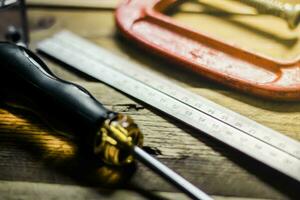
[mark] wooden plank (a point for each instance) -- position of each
(45, 22)
(107, 4)
(36, 191)
(28, 147)
(30, 151)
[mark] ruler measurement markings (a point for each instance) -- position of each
(95, 51)
(185, 98)
(198, 120)
(277, 142)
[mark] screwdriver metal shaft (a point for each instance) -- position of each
(123, 137)
(177, 180)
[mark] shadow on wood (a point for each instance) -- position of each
(24, 132)
(65, 159)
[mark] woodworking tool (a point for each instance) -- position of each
(26, 82)
(249, 71)
(287, 11)
(263, 144)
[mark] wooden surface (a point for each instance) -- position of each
(242, 27)
(102, 4)
(36, 163)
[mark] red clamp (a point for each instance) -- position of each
(143, 21)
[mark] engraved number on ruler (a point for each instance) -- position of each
(258, 141)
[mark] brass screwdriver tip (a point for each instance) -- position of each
(116, 138)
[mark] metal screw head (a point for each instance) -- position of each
(116, 138)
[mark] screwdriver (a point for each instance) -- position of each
(27, 82)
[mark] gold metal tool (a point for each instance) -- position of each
(287, 11)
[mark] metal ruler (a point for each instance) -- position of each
(264, 144)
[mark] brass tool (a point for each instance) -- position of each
(290, 13)
(287, 11)
(25, 81)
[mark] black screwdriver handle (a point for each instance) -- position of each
(25, 78)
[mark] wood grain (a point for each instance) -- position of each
(30, 151)
(204, 161)
(103, 4)
(24, 190)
